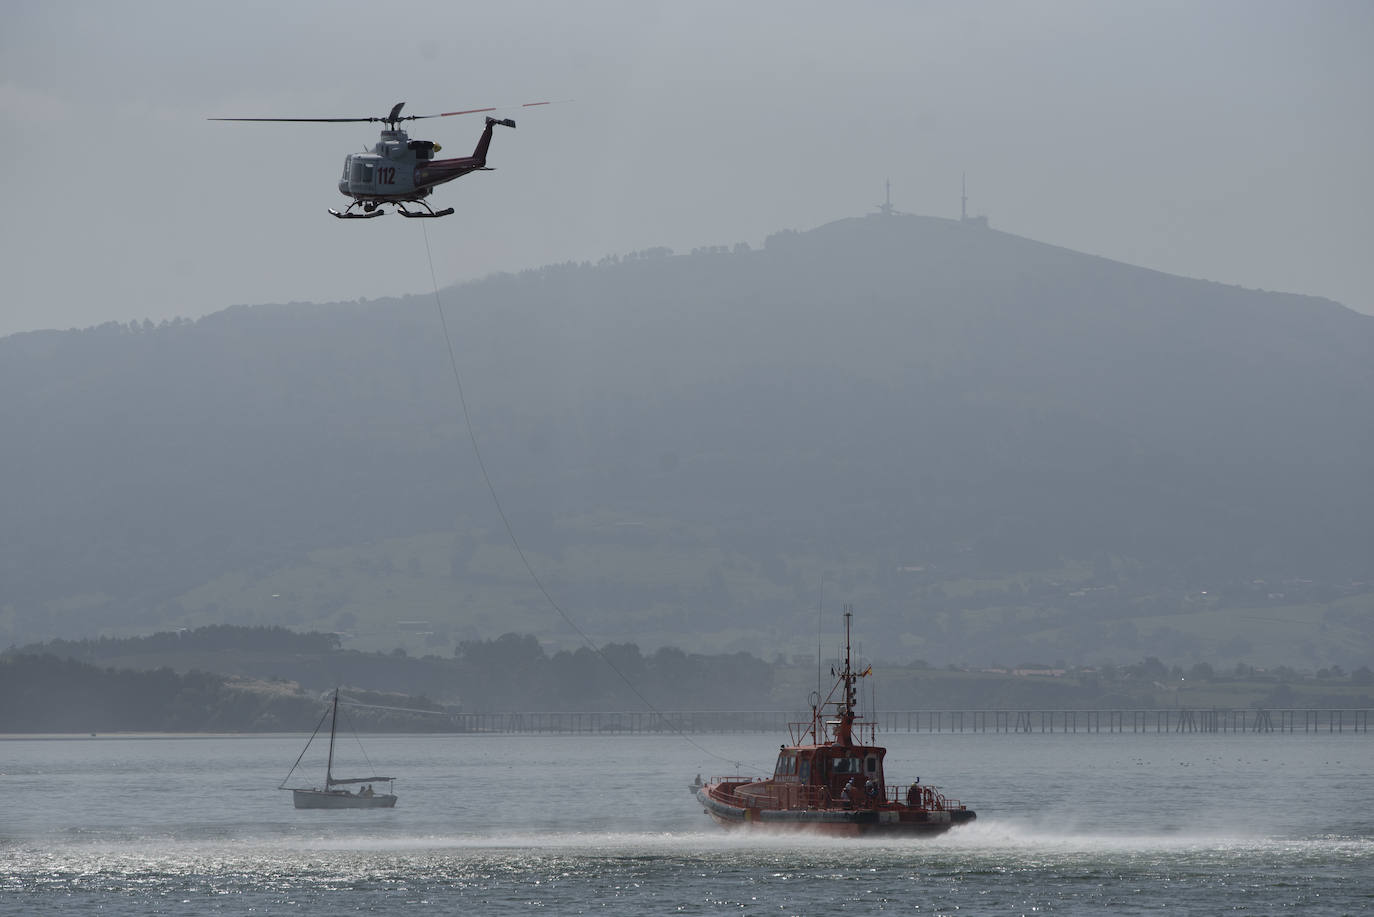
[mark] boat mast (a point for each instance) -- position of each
(844, 730)
(333, 722)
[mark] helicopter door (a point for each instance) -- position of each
(362, 177)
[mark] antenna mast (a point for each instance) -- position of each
(845, 728)
(885, 208)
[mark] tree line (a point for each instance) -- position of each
(278, 680)
(50, 694)
(273, 679)
(513, 672)
(213, 638)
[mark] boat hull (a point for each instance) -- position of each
(885, 820)
(338, 799)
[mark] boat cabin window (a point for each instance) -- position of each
(846, 765)
(871, 764)
(787, 765)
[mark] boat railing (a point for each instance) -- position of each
(820, 797)
(864, 732)
(926, 797)
(723, 788)
(809, 797)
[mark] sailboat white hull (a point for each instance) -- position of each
(340, 799)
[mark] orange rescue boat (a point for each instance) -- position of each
(830, 780)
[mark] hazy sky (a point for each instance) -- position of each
(1231, 141)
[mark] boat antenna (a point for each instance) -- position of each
(873, 706)
(820, 628)
(844, 731)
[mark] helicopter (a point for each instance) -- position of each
(398, 170)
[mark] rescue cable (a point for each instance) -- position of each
(510, 530)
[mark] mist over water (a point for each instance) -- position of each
(506, 824)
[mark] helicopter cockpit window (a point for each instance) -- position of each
(362, 173)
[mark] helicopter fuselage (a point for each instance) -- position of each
(400, 169)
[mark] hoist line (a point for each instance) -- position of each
(510, 530)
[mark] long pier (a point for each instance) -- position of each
(1174, 720)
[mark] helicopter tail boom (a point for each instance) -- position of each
(438, 171)
(480, 153)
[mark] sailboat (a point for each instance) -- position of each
(336, 793)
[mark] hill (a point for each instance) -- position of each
(996, 448)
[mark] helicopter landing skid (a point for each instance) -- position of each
(346, 215)
(433, 213)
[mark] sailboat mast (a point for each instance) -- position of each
(333, 723)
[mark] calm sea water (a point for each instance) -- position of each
(1068, 824)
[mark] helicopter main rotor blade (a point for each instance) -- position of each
(395, 116)
(315, 120)
(475, 111)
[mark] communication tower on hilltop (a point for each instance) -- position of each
(885, 208)
(980, 220)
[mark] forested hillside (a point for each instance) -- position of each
(233, 679)
(997, 449)
(259, 678)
